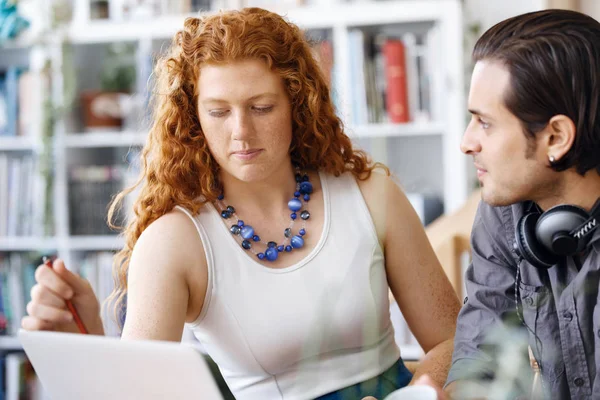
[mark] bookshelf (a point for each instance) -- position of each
(105, 139)
(95, 243)
(9, 343)
(26, 243)
(423, 152)
(441, 17)
(16, 144)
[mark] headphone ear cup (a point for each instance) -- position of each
(561, 220)
(527, 245)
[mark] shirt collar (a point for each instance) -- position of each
(531, 206)
(595, 240)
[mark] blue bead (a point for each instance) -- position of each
(293, 215)
(235, 229)
(297, 242)
(271, 244)
(302, 232)
(294, 204)
(260, 256)
(256, 238)
(221, 196)
(306, 188)
(225, 214)
(280, 248)
(305, 178)
(288, 248)
(298, 178)
(271, 254)
(240, 223)
(246, 245)
(306, 197)
(297, 194)
(247, 232)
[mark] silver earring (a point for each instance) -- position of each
(552, 159)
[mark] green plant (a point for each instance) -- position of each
(51, 113)
(46, 158)
(118, 69)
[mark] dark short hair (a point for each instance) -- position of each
(553, 57)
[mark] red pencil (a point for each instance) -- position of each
(78, 321)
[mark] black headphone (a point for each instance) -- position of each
(544, 239)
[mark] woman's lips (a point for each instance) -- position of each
(247, 155)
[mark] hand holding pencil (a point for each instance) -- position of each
(62, 301)
(80, 325)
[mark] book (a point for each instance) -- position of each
(26, 104)
(4, 195)
(358, 96)
(12, 99)
(3, 107)
(395, 72)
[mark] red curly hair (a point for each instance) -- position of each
(177, 166)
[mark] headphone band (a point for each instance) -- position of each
(590, 225)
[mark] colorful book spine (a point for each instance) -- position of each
(395, 71)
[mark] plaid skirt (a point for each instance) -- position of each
(395, 377)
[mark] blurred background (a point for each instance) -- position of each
(75, 77)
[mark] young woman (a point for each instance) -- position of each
(262, 228)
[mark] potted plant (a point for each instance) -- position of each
(103, 108)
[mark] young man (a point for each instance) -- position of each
(535, 141)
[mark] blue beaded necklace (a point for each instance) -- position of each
(247, 235)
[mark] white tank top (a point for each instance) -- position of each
(306, 330)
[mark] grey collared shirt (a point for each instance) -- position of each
(561, 306)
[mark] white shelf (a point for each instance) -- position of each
(26, 243)
(8, 343)
(95, 243)
(126, 139)
(106, 31)
(24, 41)
(370, 14)
(105, 139)
(392, 130)
(307, 17)
(17, 143)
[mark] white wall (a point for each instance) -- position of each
(489, 12)
(590, 7)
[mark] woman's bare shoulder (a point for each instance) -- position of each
(172, 240)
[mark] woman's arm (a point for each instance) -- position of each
(415, 276)
(166, 281)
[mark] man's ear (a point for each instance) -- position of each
(559, 137)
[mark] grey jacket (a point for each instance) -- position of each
(560, 306)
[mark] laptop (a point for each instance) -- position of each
(75, 367)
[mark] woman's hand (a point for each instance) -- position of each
(48, 310)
